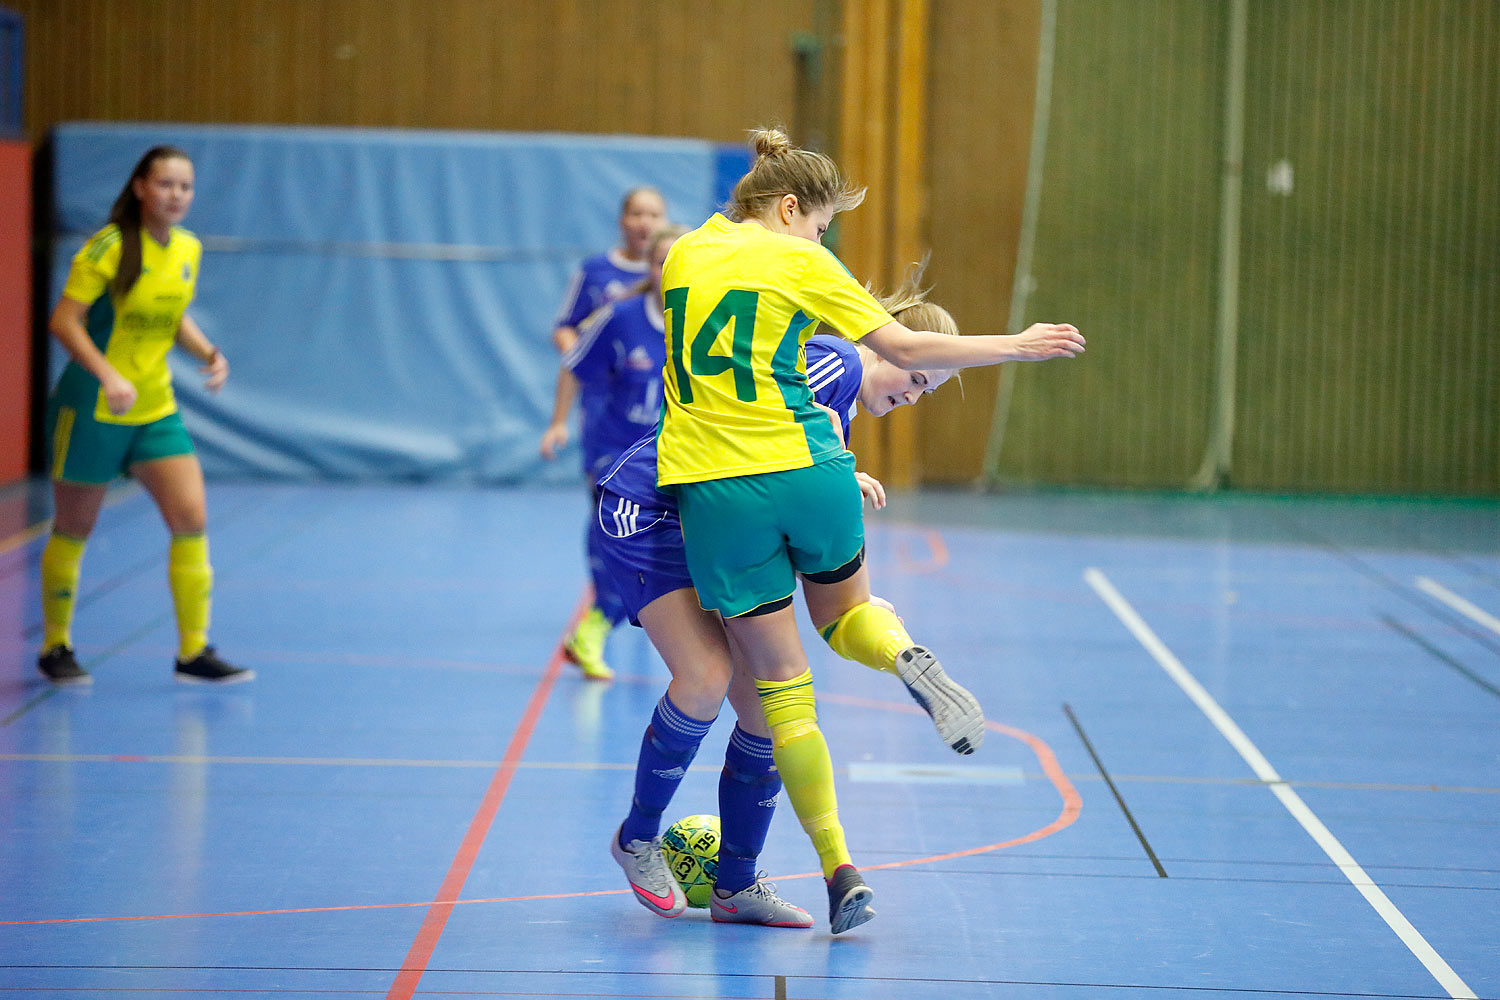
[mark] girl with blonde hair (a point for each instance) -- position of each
(766, 491)
(639, 538)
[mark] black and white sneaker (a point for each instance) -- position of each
(207, 668)
(955, 712)
(60, 666)
(848, 899)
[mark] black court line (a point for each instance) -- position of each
(106, 586)
(730, 976)
(1114, 791)
(250, 554)
(1439, 655)
(90, 665)
(1431, 607)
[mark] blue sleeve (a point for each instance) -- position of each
(834, 372)
(583, 293)
(569, 314)
(592, 358)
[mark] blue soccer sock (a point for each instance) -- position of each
(670, 743)
(748, 787)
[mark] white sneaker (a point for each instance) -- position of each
(955, 712)
(757, 904)
(649, 876)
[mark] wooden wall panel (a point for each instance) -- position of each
(708, 70)
(982, 82)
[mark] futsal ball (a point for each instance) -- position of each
(691, 847)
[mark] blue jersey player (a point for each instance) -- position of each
(616, 361)
(599, 280)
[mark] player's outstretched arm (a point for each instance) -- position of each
(920, 349)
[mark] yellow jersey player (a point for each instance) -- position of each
(113, 412)
(766, 491)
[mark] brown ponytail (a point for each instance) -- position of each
(126, 214)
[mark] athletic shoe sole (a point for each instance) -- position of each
(852, 907)
(235, 678)
(81, 680)
(747, 908)
(954, 711)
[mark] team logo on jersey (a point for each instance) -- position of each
(187, 271)
(615, 290)
(640, 360)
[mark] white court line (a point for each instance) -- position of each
(1409, 935)
(1463, 607)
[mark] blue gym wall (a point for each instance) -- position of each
(385, 297)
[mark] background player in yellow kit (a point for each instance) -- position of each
(765, 489)
(113, 411)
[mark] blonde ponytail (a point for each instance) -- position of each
(780, 169)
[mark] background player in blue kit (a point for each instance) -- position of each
(599, 280)
(616, 362)
(639, 537)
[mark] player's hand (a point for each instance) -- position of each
(1044, 341)
(881, 602)
(554, 439)
(871, 490)
(119, 393)
(216, 370)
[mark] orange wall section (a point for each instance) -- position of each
(15, 309)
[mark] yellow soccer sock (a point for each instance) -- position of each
(801, 756)
(192, 581)
(62, 558)
(868, 634)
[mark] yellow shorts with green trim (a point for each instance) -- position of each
(747, 537)
(84, 450)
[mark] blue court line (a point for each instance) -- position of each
(1409, 935)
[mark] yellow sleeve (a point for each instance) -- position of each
(94, 266)
(837, 300)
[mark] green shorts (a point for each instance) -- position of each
(84, 450)
(747, 537)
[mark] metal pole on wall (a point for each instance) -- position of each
(1023, 282)
(1217, 460)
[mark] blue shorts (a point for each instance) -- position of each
(641, 551)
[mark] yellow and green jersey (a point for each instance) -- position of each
(740, 302)
(135, 331)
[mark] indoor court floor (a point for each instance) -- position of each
(1238, 746)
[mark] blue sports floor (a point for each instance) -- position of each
(1238, 746)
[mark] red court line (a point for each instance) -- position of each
(1072, 806)
(907, 566)
(436, 920)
